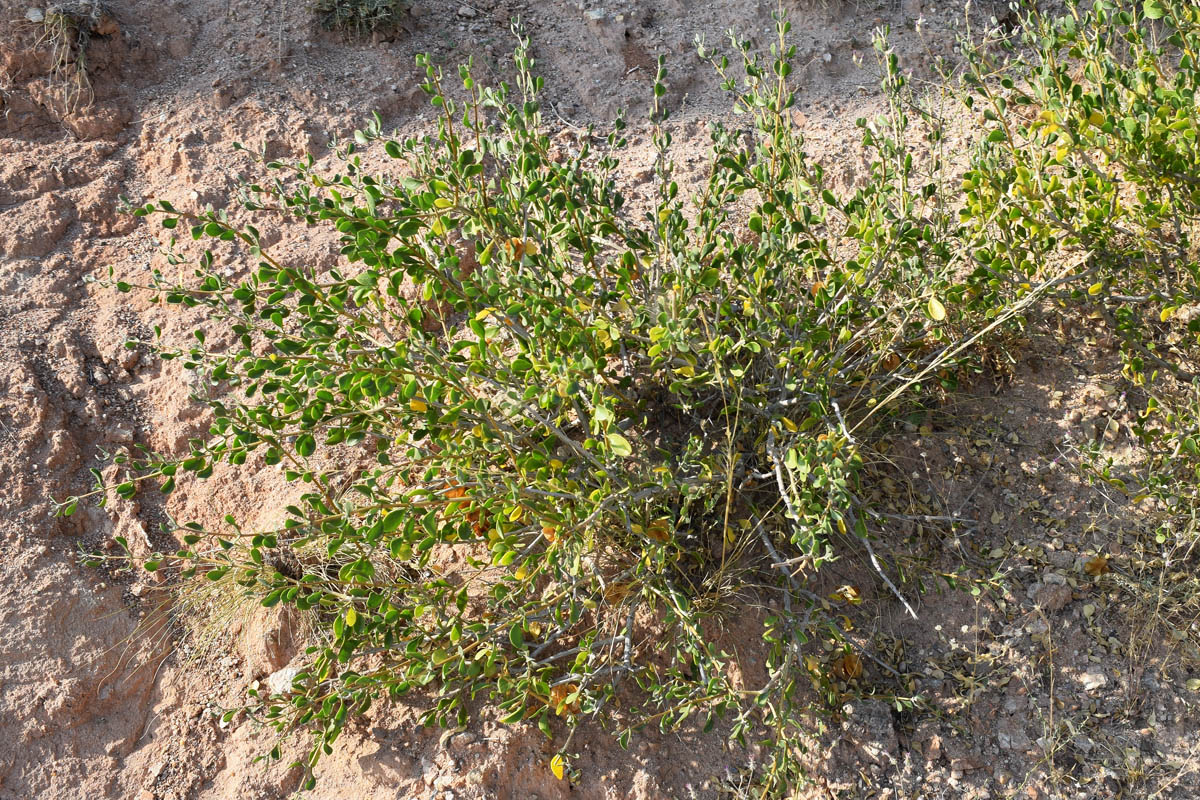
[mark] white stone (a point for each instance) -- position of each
(281, 681)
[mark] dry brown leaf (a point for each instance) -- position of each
(615, 593)
(519, 248)
(1097, 566)
(659, 530)
(558, 699)
(848, 667)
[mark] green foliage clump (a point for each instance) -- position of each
(1086, 173)
(360, 16)
(545, 441)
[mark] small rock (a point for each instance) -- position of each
(1061, 559)
(461, 741)
(466, 11)
(1052, 597)
(1093, 680)
(281, 681)
(270, 638)
(34, 15)
(933, 748)
(1038, 627)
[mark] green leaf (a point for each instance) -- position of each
(1154, 9)
(393, 519)
(619, 445)
(306, 445)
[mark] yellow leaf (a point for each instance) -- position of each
(351, 617)
(1166, 313)
(442, 202)
(849, 594)
(519, 248)
(1096, 288)
(936, 310)
(418, 405)
(516, 514)
(791, 426)
(556, 766)
(1096, 118)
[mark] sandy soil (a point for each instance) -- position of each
(1036, 690)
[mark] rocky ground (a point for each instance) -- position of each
(1053, 682)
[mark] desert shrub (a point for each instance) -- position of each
(1087, 169)
(546, 442)
(360, 16)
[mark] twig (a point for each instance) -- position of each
(879, 569)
